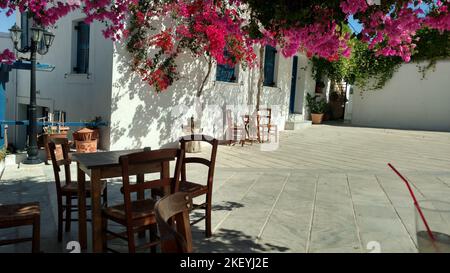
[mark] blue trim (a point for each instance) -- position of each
(26, 65)
(40, 123)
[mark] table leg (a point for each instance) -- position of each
(96, 191)
(140, 178)
(82, 232)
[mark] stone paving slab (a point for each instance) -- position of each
(325, 189)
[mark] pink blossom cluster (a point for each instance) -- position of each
(353, 6)
(217, 27)
(44, 12)
(114, 14)
(392, 33)
(208, 27)
(7, 57)
(393, 36)
(317, 39)
(440, 18)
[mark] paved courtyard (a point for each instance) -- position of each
(324, 189)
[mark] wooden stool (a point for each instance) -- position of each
(22, 215)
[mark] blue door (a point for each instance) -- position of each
(293, 85)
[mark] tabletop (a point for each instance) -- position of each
(101, 159)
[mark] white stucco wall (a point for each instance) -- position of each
(81, 97)
(138, 116)
(141, 118)
(407, 101)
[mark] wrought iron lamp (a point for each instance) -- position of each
(37, 36)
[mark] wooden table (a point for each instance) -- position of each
(99, 166)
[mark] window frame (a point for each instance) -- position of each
(77, 48)
(270, 81)
(224, 68)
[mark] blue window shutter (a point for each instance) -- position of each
(225, 73)
(24, 25)
(83, 30)
(269, 66)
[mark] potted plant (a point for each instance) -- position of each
(85, 141)
(317, 107)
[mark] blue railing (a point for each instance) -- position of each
(46, 123)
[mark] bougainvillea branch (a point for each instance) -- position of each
(7, 57)
(156, 32)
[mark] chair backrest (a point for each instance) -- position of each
(211, 163)
(264, 116)
(57, 163)
(158, 157)
(229, 118)
(172, 217)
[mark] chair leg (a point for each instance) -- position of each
(36, 235)
(153, 230)
(208, 232)
(68, 212)
(131, 243)
(104, 234)
(60, 220)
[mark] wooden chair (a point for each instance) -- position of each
(172, 216)
(69, 190)
(196, 189)
(265, 125)
(22, 215)
(249, 130)
(235, 132)
(139, 215)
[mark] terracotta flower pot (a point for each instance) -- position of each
(316, 118)
(88, 146)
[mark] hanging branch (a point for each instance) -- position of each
(261, 77)
(202, 86)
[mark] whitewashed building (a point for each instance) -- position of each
(94, 79)
(100, 83)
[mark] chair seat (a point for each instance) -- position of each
(18, 212)
(140, 209)
(72, 188)
(268, 125)
(193, 188)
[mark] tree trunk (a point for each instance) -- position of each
(202, 85)
(261, 78)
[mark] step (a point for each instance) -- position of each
(297, 125)
(296, 117)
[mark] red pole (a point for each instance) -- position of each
(415, 201)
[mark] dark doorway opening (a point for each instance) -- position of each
(293, 85)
